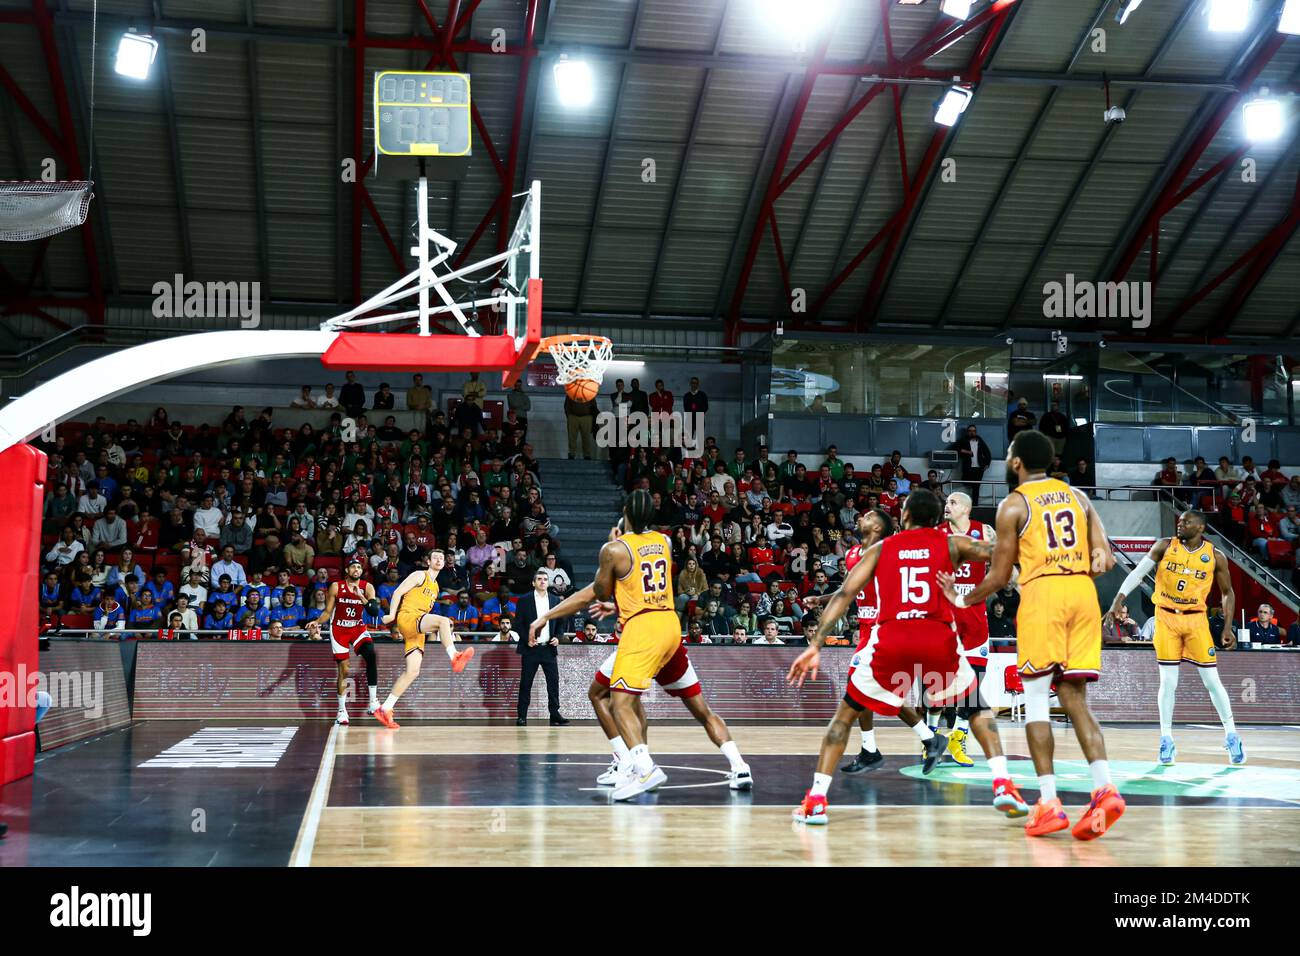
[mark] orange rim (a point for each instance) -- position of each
(571, 338)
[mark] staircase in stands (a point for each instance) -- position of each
(584, 503)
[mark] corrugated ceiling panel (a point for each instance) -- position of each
(226, 247)
(1025, 47)
(618, 275)
(216, 163)
(1129, 48)
(1072, 128)
(293, 186)
(658, 102)
(291, 13)
(680, 24)
(212, 84)
(1104, 207)
(628, 200)
(302, 257)
(594, 22)
(225, 11)
(1278, 295)
(956, 210)
(738, 108)
(569, 171)
(998, 120)
(921, 281)
(990, 284)
(1081, 261)
(715, 187)
(297, 85)
(147, 244)
(690, 274)
(563, 247)
(1034, 201)
(1156, 120)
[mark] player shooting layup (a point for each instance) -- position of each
(1187, 567)
(1058, 539)
(411, 606)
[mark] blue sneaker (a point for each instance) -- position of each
(1236, 749)
(1167, 751)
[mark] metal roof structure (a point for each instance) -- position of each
(727, 173)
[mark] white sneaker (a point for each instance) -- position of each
(371, 708)
(741, 779)
(611, 776)
(342, 718)
(636, 783)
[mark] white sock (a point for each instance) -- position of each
(962, 724)
(932, 718)
(390, 703)
(343, 703)
(374, 694)
(732, 753)
(869, 741)
(1219, 696)
(1100, 770)
(642, 760)
(450, 649)
(998, 767)
(924, 732)
(620, 749)
(1047, 786)
(1165, 698)
(821, 783)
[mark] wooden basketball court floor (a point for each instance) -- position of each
(181, 792)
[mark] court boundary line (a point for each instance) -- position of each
(982, 807)
(305, 845)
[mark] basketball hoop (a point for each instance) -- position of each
(582, 359)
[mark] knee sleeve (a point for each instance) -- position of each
(1038, 694)
(367, 652)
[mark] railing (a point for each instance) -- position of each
(299, 635)
(1126, 492)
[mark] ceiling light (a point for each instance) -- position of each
(1126, 10)
(1229, 16)
(1263, 119)
(959, 9)
(135, 54)
(800, 20)
(574, 82)
(952, 105)
(1290, 22)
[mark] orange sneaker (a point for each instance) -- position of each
(1106, 807)
(461, 659)
(1008, 799)
(385, 718)
(1047, 816)
(812, 810)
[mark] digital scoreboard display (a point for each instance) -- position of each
(422, 114)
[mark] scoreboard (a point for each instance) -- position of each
(422, 114)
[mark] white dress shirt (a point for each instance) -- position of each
(543, 599)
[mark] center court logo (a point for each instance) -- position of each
(76, 909)
(654, 430)
(208, 300)
(1098, 300)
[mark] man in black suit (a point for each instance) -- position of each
(539, 651)
(974, 455)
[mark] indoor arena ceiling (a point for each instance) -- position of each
(718, 175)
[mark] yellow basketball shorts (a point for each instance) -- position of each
(1058, 627)
(649, 641)
(408, 625)
(1184, 637)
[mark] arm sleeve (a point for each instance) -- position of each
(1135, 576)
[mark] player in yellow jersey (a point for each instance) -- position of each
(1187, 568)
(411, 608)
(636, 573)
(1058, 539)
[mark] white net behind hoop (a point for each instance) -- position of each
(583, 357)
(34, 210)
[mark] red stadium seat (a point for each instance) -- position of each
(330, 562)
(1015, 686)
(1280, 553)
(78, 622)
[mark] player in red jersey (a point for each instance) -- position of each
(914, 639)
(677, 679)
(345, 606)
(872, 526)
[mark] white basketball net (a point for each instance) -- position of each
(582, 358)
(34, 210)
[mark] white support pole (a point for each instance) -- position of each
(422, 253)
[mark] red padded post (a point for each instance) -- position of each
(22, 476)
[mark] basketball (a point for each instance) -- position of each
(582, 389)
